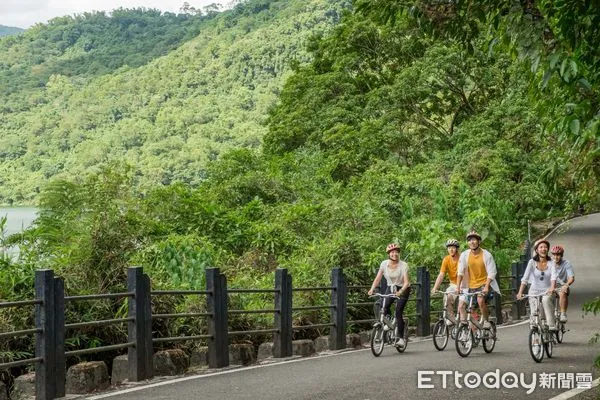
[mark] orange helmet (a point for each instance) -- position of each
(392, 246)
(558, 250)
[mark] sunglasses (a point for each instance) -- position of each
(542, 277)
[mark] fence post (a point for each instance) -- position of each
(527, 249)
(45, 341)
(59, 331)
(149, 346)
(520, 271)
(218, 350)
(423, 306)
(498, 302)
(137, 357)
(516, 310)
(282, 339)
(337, 333)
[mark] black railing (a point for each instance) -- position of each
(50, 325)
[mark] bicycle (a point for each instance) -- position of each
(440, 329)
(540, 336)
(466, 340)
(384, 330)
(560, 326)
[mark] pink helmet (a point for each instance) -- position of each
(392, 246)
(558, 250)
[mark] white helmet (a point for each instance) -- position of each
(452, 242)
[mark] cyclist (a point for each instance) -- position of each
(450, 267)
(395, 272)
(562, 273)
(537, 274)
(477, 267)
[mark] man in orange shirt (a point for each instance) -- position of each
(450, 267)
(478, 268)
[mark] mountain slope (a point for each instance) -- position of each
(9, 30)
(169, 117)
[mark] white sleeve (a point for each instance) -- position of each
(490, 265)
(553, 272)
(528, 271)
(462, 263)
(569, 268)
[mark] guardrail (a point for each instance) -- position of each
(50, 324)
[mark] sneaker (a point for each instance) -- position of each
(400, 342)
(563, 317)
(487, 325)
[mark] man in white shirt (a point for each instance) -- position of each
(562, 273)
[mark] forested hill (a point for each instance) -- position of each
(163, 92)
(9, 30)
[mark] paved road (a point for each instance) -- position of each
(359, 375)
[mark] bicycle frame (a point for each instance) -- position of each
(539, 332)
(560, 326)
(391, 324)
(471, 331)
(381, 336)
(470, 319)
(444, 315)
(441, 329)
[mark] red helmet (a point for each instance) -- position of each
(392, 246)
(538, 242)
(474, 234)
(557, 250)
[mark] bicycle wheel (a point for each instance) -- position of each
(377, 340)
(464, 340)
(548, 346)
(453, 332)
(440, 335)
(489, 338)
(402, 349)
(535, 345)
(560, 332)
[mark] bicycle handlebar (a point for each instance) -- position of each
(384, 295)
(474, 293)
(525, 296)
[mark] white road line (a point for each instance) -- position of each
(231, 371)
(574, 392)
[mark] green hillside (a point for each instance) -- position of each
(9, 30)
(84, 91)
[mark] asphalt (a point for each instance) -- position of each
(360, 375)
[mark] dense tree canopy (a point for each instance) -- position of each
(167, 93)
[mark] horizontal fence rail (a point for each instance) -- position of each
(19, 303)
(50, 326)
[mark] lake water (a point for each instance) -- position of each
(17, 218)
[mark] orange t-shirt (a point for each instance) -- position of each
(477, 271)
(450, 266)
